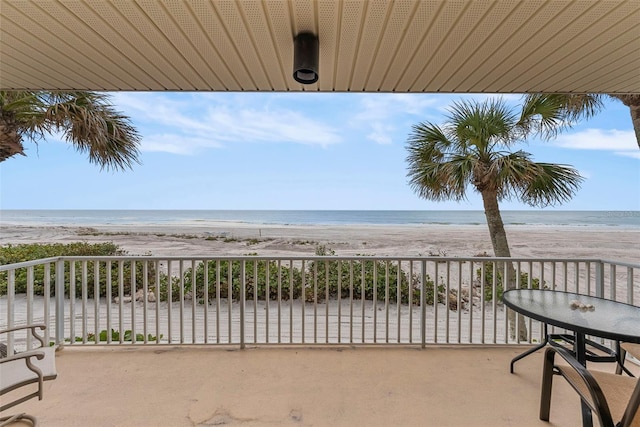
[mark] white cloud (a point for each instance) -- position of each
(384, 116)
(265, 125)
(217, 120)
(381, 134)
(175, 144)
(633, 154)
(621, 142)
(386, 106)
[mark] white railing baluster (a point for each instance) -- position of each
(375, 301)
(612, 281)
(121, 330)
(255, 302)
(157, 297)
(303, 299)
(11, 293)
(205, 284)
(109, 297)
(494, 300)
(423, 303)
(169, 301)
(267, 297)
(84, 302)
(411, 301)
(194, 300)
(435, 305)
(362, 300)
(30, 301)
(96, 300)
(145, 296)
(243, 278)
(629, 285)
(399, 301)
(351, 283)
(181, 305)
(72, 302)
(483, 311)
(279, 276)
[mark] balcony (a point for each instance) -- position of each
(308, 341)
(373, 386)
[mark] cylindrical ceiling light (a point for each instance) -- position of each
(305, 58)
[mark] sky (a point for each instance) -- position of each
(298, 151)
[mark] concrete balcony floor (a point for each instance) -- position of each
(299, 386)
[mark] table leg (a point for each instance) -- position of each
(531, 350)
(580, 349)
(526, 353)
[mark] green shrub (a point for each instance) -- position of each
(115, 336)
(11, 254)
(324, 278)
(255, 280)
(487, 281)
(320, 278)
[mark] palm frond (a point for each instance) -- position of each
(442, 181)
(435, 169)
(538, 184)
(86, 119)
(548, 114)
(481, 127)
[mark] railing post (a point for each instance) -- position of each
(600, 279)
(59, 301)
(242, 296)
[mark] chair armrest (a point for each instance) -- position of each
(16, 374)
(582, 382)
(24, 355)
(33, 328)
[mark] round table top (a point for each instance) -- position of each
(606, 319)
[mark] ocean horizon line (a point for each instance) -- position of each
(200, 217)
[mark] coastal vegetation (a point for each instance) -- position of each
(75, 271)
(317, 280)
(115, 335)
(85, 119)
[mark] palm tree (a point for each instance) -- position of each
(573, 107)
(474, 149)
(86, 119)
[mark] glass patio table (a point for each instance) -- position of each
(582, 314)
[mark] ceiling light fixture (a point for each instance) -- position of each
(305, 58)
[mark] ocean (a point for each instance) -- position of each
(624, 219)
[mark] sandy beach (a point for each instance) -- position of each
(228, 238)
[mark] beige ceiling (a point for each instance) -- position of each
(498, 46)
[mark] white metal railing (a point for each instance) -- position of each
(254, 300)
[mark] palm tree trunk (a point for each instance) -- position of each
(501, 249)
(10, 143)
(633, 102)
(496, 226)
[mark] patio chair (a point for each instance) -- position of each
(624, 349)
(614, 399)
(18, 370)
